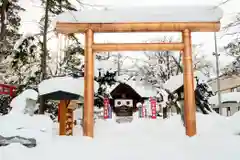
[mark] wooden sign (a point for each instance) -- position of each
(123, 107)
(73, 105)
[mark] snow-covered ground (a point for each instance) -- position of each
(140, 140)
(218, 137)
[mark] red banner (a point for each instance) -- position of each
(153, 108)
(105, 110)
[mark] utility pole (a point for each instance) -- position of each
(216, 54)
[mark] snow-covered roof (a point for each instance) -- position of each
(142, 89)
(144, 14)
(225, 97)
(176, 82)
(65, 84)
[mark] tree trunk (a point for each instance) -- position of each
(168, 65)
(178, 63)
(44, 56)
(165, 110)
(118, 65)
(4, 9)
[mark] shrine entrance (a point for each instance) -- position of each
(183, 19)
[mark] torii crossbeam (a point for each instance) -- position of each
(184, 19)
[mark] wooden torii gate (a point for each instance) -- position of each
(184, 19)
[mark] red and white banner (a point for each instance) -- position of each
(153, 107)
(105, 110)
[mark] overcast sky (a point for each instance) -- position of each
(34, 12)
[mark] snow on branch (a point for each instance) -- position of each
(20, 41)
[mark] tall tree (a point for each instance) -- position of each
(53, 7)
(4, 9)
(44, 53)
(10, 23)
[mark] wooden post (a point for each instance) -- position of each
(62, 110)
(69, 122)
(189, 95)
(101, 47)
(88, 120)
(59, 111)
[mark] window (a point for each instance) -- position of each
(235, 89)
(228, 111)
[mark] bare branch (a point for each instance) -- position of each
(89, 5)
(223, 2)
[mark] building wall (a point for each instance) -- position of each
(227, 84)
(228, 109)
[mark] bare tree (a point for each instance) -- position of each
(200, 62)
(159, 66)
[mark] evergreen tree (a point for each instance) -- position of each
(26, 64)
(10, 24)
(105, 80)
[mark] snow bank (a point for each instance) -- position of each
(65, 84)
(37, 126)
(144, 14)
(233, 123)
(142, 139)
(19, 103)
(19, 123)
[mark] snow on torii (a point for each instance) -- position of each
(204, 15)
(185, 19)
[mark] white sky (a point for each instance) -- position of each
(34, 12)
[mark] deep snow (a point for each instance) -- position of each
(142, 139)
(217, 139)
